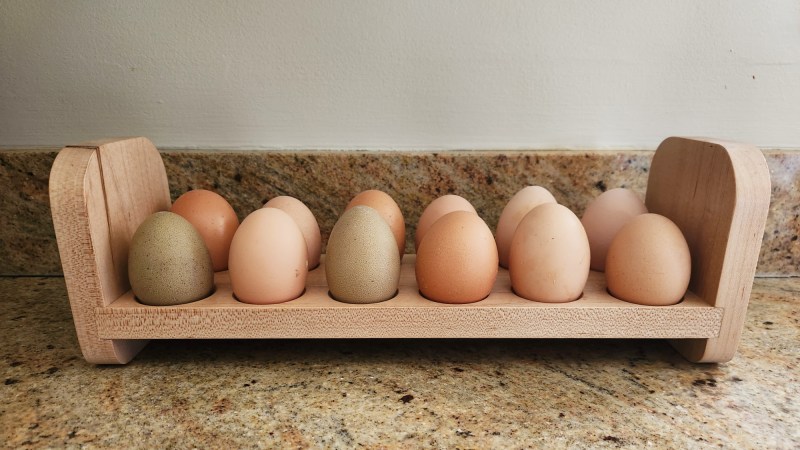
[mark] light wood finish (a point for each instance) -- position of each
(408, 315)
(79, 216)
(718, 194)
(135, 186)
(711, 190)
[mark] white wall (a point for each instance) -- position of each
(400, 74)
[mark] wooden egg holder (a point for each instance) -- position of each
(716, 192)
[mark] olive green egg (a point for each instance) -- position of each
(362, 264)
(168, 262)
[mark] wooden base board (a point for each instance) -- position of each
(409, 315)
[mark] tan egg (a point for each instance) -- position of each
(549, 260)
(268, 261)
(304, 219)
(649, 262)
(438, 208)
(605, 216)
(388, 209)
(362, 264)
(168, 263)
(457, 259)
(214, 219)
(516, 208)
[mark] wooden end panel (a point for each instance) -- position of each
(134, 184)
(79, 218)
(718, 194)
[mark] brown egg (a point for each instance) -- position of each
(605, 216)
(457, 259)
(388, 209)
(435, 210)
(214, 219)
(362, 264)
(516, 208)
(305, 220)
(168, 263)
(649, 262)
(549, 260)
(269, 258)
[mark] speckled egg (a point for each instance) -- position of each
(168, 263)
(362, 264)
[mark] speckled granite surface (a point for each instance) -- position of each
(326, 181)
(385, 394)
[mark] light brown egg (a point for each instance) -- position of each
(605, 216)
(549, 260)
(649, 262)
(362, 264)
(305, 220)
(214, 219)
(168, 263)
(268, 260)
(457, 259)
(436, 209)
(516, 208)
(388, 209)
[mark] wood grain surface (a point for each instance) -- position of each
(716, 192)
(409, 315)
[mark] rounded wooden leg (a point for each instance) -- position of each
(704, 350)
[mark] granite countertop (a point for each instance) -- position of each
(411, 393)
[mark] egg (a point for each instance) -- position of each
(362, 264)
(649, 262)
(168, 263)
(307, 223)
(435, 210)
(388, 209)
(516, 208)
(549, 257)
(214, 219)
(605, 216)
(268, 259)
(457, 259)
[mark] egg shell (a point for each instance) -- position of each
(605, 216)
(214, 219)
(549, 260)
(268, 261)
(649, 262)
(304, 219)
(516, 208)
(168, 263)
(436, 209)
(385, 205)
(362, 264)
(457, 259)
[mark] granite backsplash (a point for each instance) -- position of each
(326, 180)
